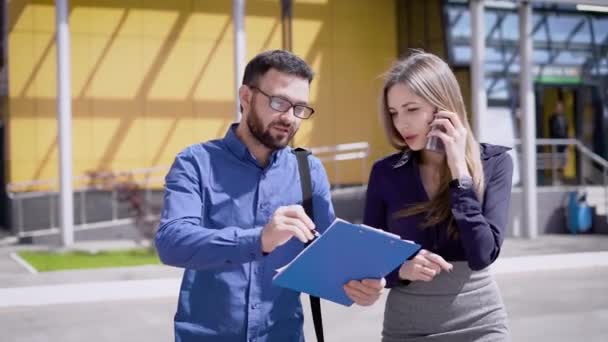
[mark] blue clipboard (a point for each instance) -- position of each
(344, 252)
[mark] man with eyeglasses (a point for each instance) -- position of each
(231, 215)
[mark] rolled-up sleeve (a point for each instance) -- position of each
(181, 240)
(482, 229)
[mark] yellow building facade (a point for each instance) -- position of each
(152, 77)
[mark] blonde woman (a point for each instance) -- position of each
(453, 200)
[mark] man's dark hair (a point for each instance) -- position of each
(280, 60)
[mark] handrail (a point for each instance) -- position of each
(15, 186)
(585, 153)
(342, 152)
(333, 154)
(569, 142)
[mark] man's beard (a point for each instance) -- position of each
(264, 135)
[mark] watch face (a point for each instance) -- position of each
(465, 182)
(462, 183)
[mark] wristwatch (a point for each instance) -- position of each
(462, 183)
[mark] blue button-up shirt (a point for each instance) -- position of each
(217, 200)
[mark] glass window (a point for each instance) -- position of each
(510, 27)
(462, 54)
(497, 88)
(494, 67)
(494, 55)
(568, 30)
(540, 35)
(462, 27)
(603, 68)
(571, 58)
(583, 35)
(600, 28)
(540, 56)
(490, 22)
(514, 67)
(560, 27)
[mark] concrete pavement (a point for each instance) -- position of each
(555, 289)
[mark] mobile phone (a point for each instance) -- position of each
(435, 143)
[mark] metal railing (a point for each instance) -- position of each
(592, 169)
(344, 152)
(46, 191)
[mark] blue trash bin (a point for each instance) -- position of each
(579, 213)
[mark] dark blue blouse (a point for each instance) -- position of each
(395, 182)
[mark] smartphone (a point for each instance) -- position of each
(435, 143)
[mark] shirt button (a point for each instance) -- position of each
(254, 306)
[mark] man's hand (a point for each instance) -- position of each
(365, 292)
(285, 223)
(424, 266)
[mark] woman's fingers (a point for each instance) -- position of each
(435, 260)
(446, 124)
(427, 271)
(453, 117)
(438, 260)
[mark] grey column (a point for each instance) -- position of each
(526, 100)
(478, 46)
(64, 116)
(238, 20)
(286, 17)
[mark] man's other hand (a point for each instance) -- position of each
(287, 222)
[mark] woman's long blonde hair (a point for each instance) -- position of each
(432, 79)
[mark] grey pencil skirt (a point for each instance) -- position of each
(462, 305)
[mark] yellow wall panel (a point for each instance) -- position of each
(214, 65)
(119, 74)
(21, 56)
(368, 23)
(24, 142)
(174, 135)
(126, 145)
(309, 37)
(44, 17)
(175, 77)
(152, 77)
(25, 172)
(44, 73)
(168, 128)
(260, 29)
(103, 135)
(81, 64)
(105, 21)
(82, 136)
(209, 26)
(20, 16)
(210, 128)
(46, 141)
(160, 23)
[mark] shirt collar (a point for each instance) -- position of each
(405, 157)
(237, 147)
(488, 150)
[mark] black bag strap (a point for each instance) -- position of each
(305, 181)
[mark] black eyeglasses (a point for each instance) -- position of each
(282, 105)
